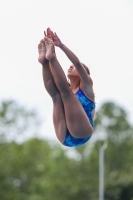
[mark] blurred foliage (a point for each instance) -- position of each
(34, 170)
(113, 120)
(16, 120)
(39, 170)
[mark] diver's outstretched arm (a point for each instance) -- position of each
(57, 42)
(72, 57)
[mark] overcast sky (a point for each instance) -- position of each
(99, 32)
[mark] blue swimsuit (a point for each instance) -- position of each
(88, 106)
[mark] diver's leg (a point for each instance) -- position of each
(58, 109)
(76, 118)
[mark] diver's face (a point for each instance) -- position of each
(72, 71)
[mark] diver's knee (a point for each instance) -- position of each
(67, 94)
(56, 98)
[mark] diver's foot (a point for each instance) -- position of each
(42, 52)
(50, 50)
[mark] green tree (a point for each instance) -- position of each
(113, 121)
(16, 121)
(36, 169)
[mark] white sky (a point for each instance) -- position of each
(99, 32)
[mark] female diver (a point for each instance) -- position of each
(73, 103)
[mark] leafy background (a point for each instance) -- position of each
(38, 169)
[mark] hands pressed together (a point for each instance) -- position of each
(50, 40)
(50, 35)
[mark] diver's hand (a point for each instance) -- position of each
(53, 36)
(56, 40)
